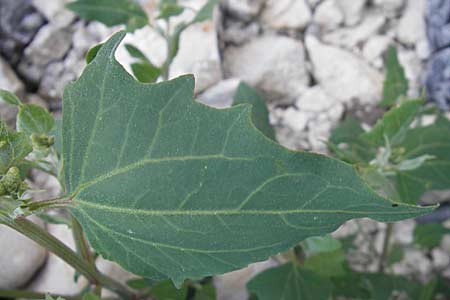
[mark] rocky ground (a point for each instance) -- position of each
(314, 60)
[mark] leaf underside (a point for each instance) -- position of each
(170, 188)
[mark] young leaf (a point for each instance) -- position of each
(90, 55)
(34, 119)
(136, 53)
(394, 124)
(145, 72)
(111, 12)
(290, 282)
(395, 84)
(434, 141)
(165, 290)
(205, 13)
(169, 187)
(14, 147)
(9, 98)
(429, 235)
(169, 10)
(320, 244)
(260, 113)
(327, 264)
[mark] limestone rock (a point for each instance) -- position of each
(411, 27)
(286, 14)
(374, 49)
(352, 10)
(315, 99)
(9, 82)
(342, 74)
(390, 7)
(20, 258)
(328, 15)
(244, 9)
(220, 95)
(274, 64)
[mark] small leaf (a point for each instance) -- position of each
(165, 290)
(206, 292)
(260, 113)
(111, 12)
(34, 119)
(395, 84)
(382, 286)
(289, 282)
(90, 55)
(326, 264)
(396, 254)
(14, 147)
(136, 53)
(428, 290)
(429, 235)
(169, 10)
(140, 283)
(9, 98)
(171, 188)
(205, 13)
(394, 124)
(434, 141)
(320, 244)
(145, 72)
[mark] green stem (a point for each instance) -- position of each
(46, 240)
(47, 204)
(32, 295)
(384, 253)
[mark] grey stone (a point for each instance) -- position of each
(438, 78)
(244, 9)
(20, 258)
(328, 15)
(274, 64)
(438, 23)
(19, 22)
(411, 27)
(390, 7)
(352, 10)
(220, 95)
(9, 82)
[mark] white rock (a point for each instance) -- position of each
(274, 64)
(411, 28)
(413, 69)
(50, 8)
(415, 262)
(295, 119)
(221, 95)
(286, 14)
(441, 258)
(402, 232)
(344, 75)
(57, 276)
(244, 9)
(352, 10)
(315, 99)
(20, 258)
(318, 134)
(352, 37)
(9, 82)
(232, 286)
(390, 7)
(313, 3)
(374, 49)
(198, 54)
(328, 15)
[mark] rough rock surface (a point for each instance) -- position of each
(286, 14)
(20, 258)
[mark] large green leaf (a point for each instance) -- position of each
(433, 174)
(14, 147)
(290, 282)
(168, 187)
(111, 12)
(395, 84)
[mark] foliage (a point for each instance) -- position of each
(174, 190)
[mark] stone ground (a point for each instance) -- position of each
(314, 60)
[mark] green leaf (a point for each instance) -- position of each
(165, 290)
(145, 72)
(429, 235)
(432, 140)
(395, 84)
(260, 113)
(111, 12)
(289, 282)
(428, 290)
(90, 55)
(396, 254)
(139, 283)
(34, 119)
(346, 144)
(9, 98)
(14, 147)
(169, 10)
(205, 13)
(327, 264)
(320, 244)
(206, 292)
(394, 124)
(90, 296)
(384, 287)
(169, 187)
(136, 53)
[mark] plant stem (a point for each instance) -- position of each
(33, 295)
(46, 240)
(47, 204)
(384, 253)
